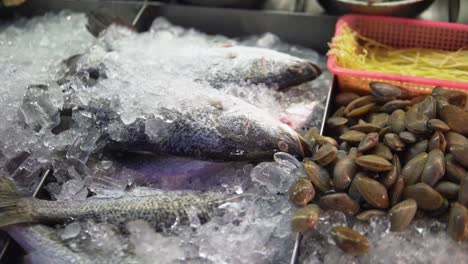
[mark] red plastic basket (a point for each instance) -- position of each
(400, 33)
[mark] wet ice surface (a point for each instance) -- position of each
(254, 230)
(424, 241)
(30, 54)
(33, 50)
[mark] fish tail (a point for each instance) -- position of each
(14, 209)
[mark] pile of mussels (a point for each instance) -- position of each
(388, 155)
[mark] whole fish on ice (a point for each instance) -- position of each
(137, 107)
(217, 63)
(160, 209)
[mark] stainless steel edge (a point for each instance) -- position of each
(312, 31)
(296, 249)
(328, 106)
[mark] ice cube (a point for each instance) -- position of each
(150, 245)
(106, 186)
(276, 178)
(71, 231)
(83, 145)
(72, 190)
(287, 160)
(37, 109)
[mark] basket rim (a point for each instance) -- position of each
(343, 72)
(421, 22)
(383, 4)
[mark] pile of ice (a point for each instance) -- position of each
(31, 51)
(35, 53)
(253, 229)
(424, 241)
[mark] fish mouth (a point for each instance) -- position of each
(298, 145)
(299, 73)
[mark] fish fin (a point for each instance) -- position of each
(14, 209)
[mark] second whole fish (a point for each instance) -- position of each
(160, 209)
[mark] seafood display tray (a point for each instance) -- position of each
(294, 28)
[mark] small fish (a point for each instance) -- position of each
(161, 210)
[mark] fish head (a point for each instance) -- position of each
(265, 142)
(291, 142)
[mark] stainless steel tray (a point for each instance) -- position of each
(312, 31)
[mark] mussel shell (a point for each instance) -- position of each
(379, 119)
(434, 169)
(363, 110)
(397, 121)
(366, 216)
(365, 127)
(385, 91)
(416, 149)
(368, 142)
(453, 170)
(454, 97)
(458, 222)
(318, 175)
(397, 191)
(305, 218)
(454, 138)
(353, 136)
(393, 105)
(390, 177)
(447, 189)
(408, 137)
(343, 173)
(438, 141)
(394, 142)
(413, 169)
(349, 241)
(416, 121)
(325, 155)
(333, 122)
(301, 192)
(437, 124)
(373, 192)
(382, 150)
(402, 214)
(426, 197)
(359, 102)
(345, 98)
(428, 107)
(339, 112)
(460, 153)
(463, 191)
(456, 118)
(374, 163)
(339, 202)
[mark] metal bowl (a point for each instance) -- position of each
(403, 8)
(226, 3)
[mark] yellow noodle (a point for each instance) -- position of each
(355, 51)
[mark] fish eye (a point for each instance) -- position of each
(283, 146)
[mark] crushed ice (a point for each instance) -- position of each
(253, 230)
